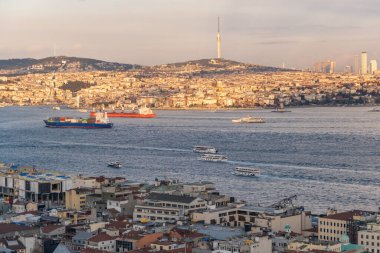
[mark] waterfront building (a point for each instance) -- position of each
(370, 237)
(364, 63)
(333, 227)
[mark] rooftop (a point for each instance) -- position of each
(170, 198)
(9, 228)
(349, 215)
(101, 237)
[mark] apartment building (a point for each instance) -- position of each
(161, 207)
(370, 237)
(76, 198)
(334, 226)
(254, 216)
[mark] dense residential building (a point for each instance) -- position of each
(227, 84)
(334, 226)
(169, 216)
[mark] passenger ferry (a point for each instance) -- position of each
(248, 119)
(205, 149)
(246, 171)
(57, 108)
(213, 158)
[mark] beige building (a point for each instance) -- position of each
(370, 238)
(254, 216)
(333, 227)
(76, 198)
(167, 207)
(308, 246)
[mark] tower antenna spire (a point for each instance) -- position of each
(218, 25)
(218, 38)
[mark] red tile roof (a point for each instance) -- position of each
(101, 237)
(346, 215)
(9, 228)
(50, 228)
(118, 224)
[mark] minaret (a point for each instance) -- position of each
(219, 41)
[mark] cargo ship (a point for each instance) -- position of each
(140, 113)
(100, 120)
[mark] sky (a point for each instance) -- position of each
(297, 33)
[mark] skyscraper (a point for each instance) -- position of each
(356, 65)
(348, 69)
(372, 66)
(219, 41)
(364, 67)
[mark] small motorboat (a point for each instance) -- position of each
(116, 164)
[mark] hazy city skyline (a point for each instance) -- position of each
(297, 33)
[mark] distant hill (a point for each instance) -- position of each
(59, 64)
(211, 67)
(203, 67)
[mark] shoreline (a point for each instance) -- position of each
(212, 109)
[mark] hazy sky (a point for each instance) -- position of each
(267, 32)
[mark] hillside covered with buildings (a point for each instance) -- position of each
(207, 83)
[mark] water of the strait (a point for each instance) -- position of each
(329, 157)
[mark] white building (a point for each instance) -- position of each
(372, 66)
(102, 241)
(364, 63)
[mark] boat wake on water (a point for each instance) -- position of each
(115, 145)
(301, 167)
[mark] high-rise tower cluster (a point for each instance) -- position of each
(364, 67)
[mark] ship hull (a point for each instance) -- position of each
(53, 124)
(126, 115)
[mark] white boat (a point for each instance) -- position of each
(246, 171)
(57, 108)
(248, 119)
(205, 149)
(82, 110)
(213, 158)
(116, 164)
